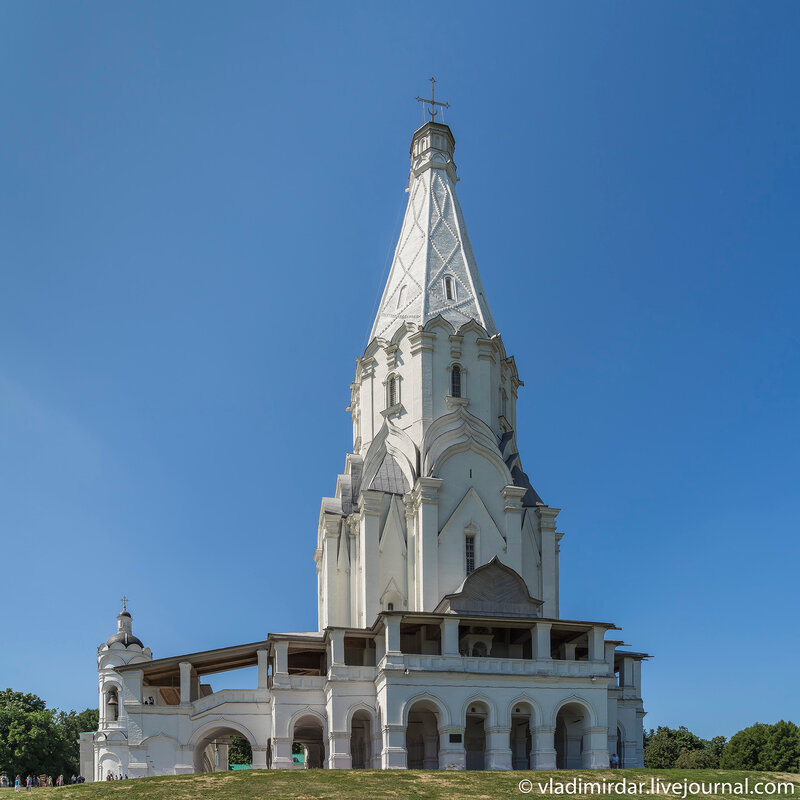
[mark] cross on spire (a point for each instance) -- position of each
(124, 603)
(432, 103)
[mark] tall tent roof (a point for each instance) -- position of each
(433, 271)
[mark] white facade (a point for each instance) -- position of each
(440, 643)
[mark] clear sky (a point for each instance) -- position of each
(197, 206)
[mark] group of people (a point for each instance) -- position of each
(112, 777)
(36, 781)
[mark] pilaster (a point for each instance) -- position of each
(369, 534)
(426, 502)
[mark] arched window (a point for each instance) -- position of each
(401, 296)
(469, 553)
(392, 395)
(449, 288)
(390, 606)
(112, 705)
(455, 381)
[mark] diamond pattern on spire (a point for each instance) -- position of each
(433, 245)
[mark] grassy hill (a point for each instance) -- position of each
(419, 785)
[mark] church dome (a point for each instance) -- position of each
(125, 638)
(124, 634)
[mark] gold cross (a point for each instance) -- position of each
(124, 603)
(432, 103)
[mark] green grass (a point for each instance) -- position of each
(400, 784)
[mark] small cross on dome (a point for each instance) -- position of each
(124, 603)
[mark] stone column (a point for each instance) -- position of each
(595, 756)
(186, 682)
(222, 750)
(280, 677)
(452, 755)
(263, 669)
(498, 748)
(540, 634)
(543, 747)
(430, 758)
(337, 647)
(281, 753)
(392, 634)
(596, 644)
(449, 628)
(394, 755)
(339, 756)
(380, 648)
(627, 672)
(260, 757)
(610, 650)
(569, 651)
(637, 677)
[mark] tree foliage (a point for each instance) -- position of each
(35, 739)
(768, 747)
(240, 751)
(664, 745)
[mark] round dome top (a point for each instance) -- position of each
(124, 638)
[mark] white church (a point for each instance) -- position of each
(439, 644)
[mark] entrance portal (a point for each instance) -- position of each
(422, 736)
(308, 733)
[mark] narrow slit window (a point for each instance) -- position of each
(401, 296)
(455, 381)
(469, 552)
(449, 288)
(392, 391)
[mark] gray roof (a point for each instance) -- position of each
(389, 477)
(125, 638)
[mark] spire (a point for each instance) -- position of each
(433, 271)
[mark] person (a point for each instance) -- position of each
(18, 784)
(614, 761)
(28, 783)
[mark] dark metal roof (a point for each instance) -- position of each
(389, 477)
(125, 638)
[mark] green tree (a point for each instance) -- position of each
(31, 743)
(781, 750)
(70, 724)
(696, 759)
(744, 749)
(24, 702)
(240, 751)
(664, 745)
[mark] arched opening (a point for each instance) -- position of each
(112, 705)
(392, 398)
(449, 288)
(308, 734)
(212, 751)
(620, 748)
(475, 735)
(455, 381)
(422, 736)
(572, 728)
(521, 744)
(361, 740)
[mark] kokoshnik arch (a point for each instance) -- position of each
(439, 644)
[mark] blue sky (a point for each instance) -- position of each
(197, 206)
